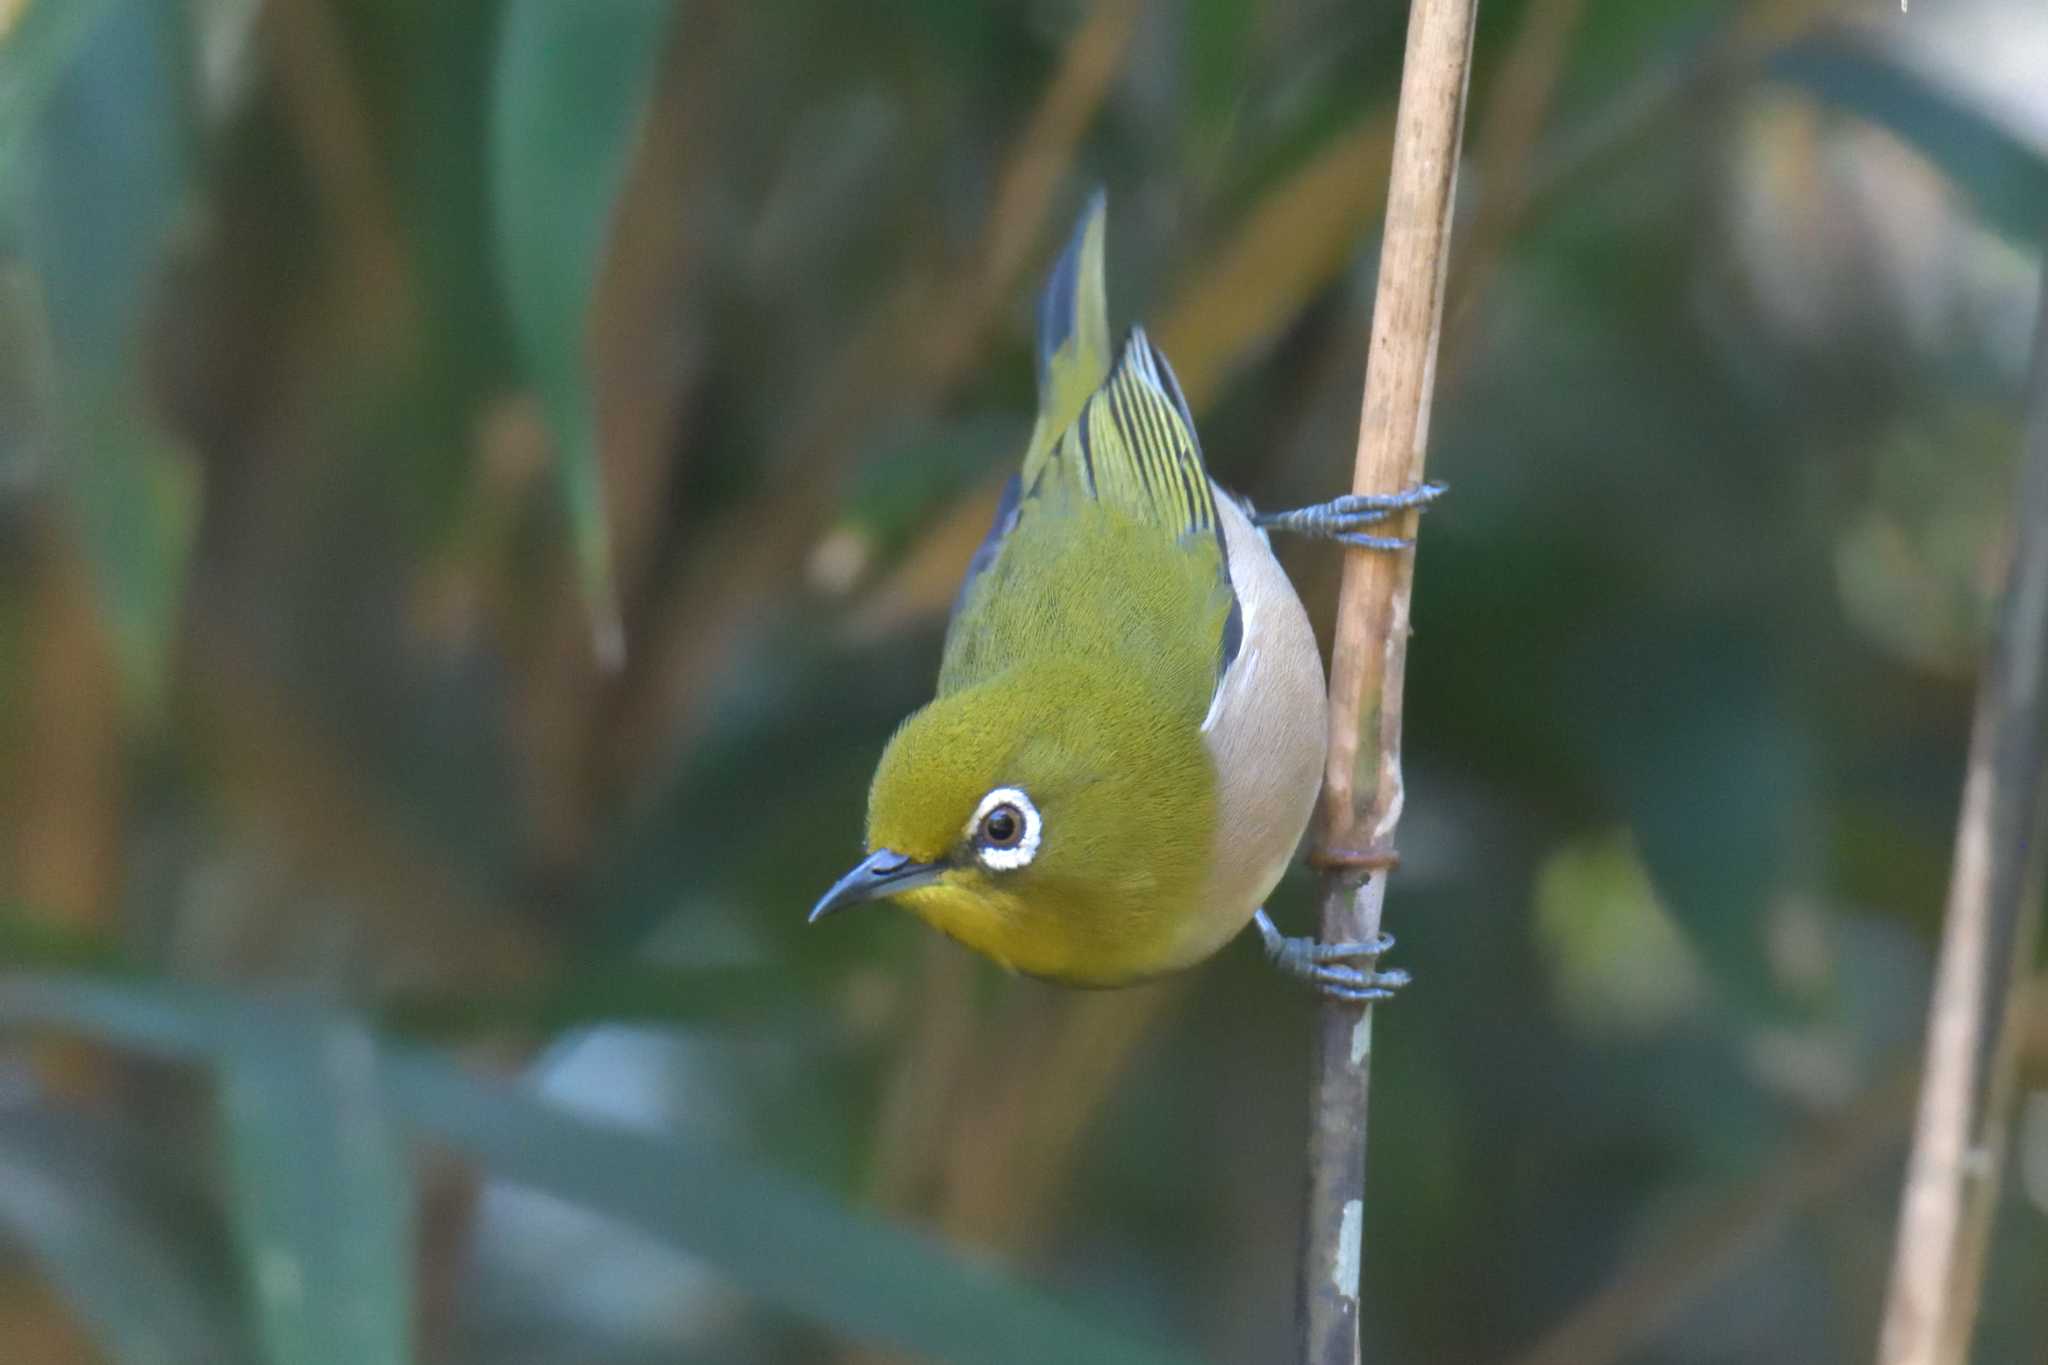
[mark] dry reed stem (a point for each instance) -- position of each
(1959, 1140)
(1370, 652)
(374, 275)
(63, 809)
(62, 816)
(2033, 1074)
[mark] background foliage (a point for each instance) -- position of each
(479, 481)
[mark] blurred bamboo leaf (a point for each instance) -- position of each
(2007, 177)
(321, 1196)
(36, 51)
(321, 1193)
(1696, 743)
(106, 169)
(572, 86)
(135, 499)
(122, 1269)
(602, 992)
(865, 1278)
(107, 165)
(175, 1022)
(609, 992)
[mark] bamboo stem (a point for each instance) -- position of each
(1959, 1140)
(1362, 791)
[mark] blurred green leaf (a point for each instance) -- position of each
(134, 497)
(43, 941)
(1619, 966)
(322, 1196)
(107, 167)
(106, 174)
(2007, 177)
(572, 85)
(611, 992)
(1220, 44)
(1697, 745)
(118, 1264)
(35, 54)
(320, 1192)
(865, 1278)
(177, 1022)
(599, 992)
(791, 1245)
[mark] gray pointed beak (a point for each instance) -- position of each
(884, 872)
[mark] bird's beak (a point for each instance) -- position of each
(882, 873)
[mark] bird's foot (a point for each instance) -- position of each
(1344, 519)
(1343, 971)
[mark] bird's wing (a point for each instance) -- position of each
(1073, 361)
(1113, 497)
(1111, 546)
(1073, 335)
(1133, 448)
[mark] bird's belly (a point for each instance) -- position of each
(1266, 731)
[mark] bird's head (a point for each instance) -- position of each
(1043, 818)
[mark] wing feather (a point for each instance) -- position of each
(1073, 333)
(1126, 546)
(1133, 447)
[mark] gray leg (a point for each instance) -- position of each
(1344, 519)
(1328, 966)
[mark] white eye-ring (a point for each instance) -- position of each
(1005, 830)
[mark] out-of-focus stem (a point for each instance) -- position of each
(1973, 1028)
(1362, 791)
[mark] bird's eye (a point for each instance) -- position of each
(1003, 827)
(1005, 830)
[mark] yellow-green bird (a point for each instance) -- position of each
(1129, 729)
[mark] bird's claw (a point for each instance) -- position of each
(1374, 506)
(1344, 519)
(1347, 952)
(1341, 971)
(1356, 985)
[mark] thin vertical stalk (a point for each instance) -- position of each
(1362, 791)
(1959, 1139)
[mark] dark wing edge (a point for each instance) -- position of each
(992, 543)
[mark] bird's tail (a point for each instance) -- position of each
(1073, 334)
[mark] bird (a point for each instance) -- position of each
(1128, 732)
